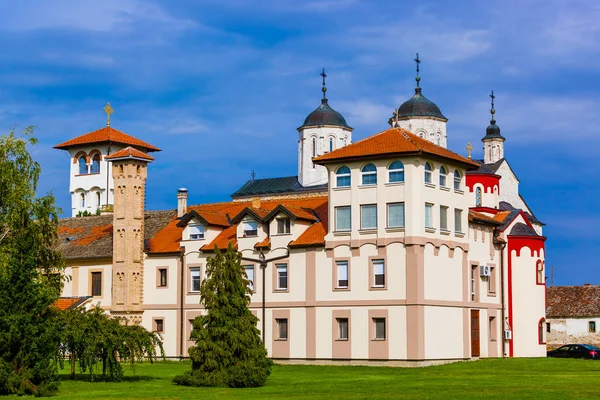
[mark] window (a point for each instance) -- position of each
(283, 226)
(95, 168)
(330, 144)
(368, 216)
(428, 173)
(82, 197)
(162, 277)
(443, 218)
(196, 232)
(548, 327)
(159, 325)
(96, 284)
(379, 325)
(478, 200)
(457, 220)
(492, 280)
(592, 326)
(428, 215)
(438, 139)
(282, 328)
(542, 331)
(457, 179)
(250, 228)
(369, 175)
(282, 276)
(98, 199)
(378, 273)
(540, 272)
(343, 177)
(82, 166)
(342, 274)
(492, 329)
(314, 147)
(443, 175)
(473, 282)
(342, 328)
(395, 215)
(250, 276)
(396, 172)
(342, 219)
(195, 279)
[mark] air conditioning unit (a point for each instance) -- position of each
(507, 334)
(485, 270)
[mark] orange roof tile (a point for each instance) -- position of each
(106, 134)
(394, 141)
(501, 216)
(64, 303)
(167, 239)
(129, 152)
(223, 239)
(263, 243)
(474, 215)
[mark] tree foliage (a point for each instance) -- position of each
(92, 339)
(228, 350)
(30, 272)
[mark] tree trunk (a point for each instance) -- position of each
(72, 360)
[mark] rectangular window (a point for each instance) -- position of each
(378, 273)
(492, 280)
(428, 215)
(474, 270)
(342, 328)
(283, 226)
(282, 328)
(162, 277)
(159, 325)
(457, 220)
(282, 276)
(368, 216)
(250, 275)
(342, 219)
(379, 325)
(196, 232)
(395, 215)
(250, 228)
(492, 329)
(96, 284)
(195, 278)
(548, 327)
(443, 218)
(592, 326)
(342, 274)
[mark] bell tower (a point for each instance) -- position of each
(129, 172)
(493, 142)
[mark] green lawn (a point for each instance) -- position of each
(493, 378)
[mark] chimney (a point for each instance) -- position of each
(587, 285)
(182, 197)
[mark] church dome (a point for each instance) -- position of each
(324, 115)
(419, 106)
(492, 131)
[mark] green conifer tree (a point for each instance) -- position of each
(228, 350)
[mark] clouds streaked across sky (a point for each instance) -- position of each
(221, 86)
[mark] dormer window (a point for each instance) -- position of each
(283, 226)
(369, 175)
(250, 228)
(196, 232)
(82, 166)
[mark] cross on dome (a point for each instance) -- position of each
(108, 110)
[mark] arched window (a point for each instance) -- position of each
(314, 147)
(540, 272)
(478, 200)
(439, 139)
(95, 164)
(542, 331)
(82, 196)
(82, 166)
(98, 199)
(443, 175)
(343, 177)
(330, 144)
(457, 179)
(396, 172)
(428, 172)
(369, 175)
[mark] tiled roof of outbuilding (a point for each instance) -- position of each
(65, 303)
(572, 301)
(393, 142)
(129, 152)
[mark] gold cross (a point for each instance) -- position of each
(108, 110)
(469, 149)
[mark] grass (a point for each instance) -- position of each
(492, 378)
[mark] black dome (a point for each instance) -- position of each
(325, 115)
(419, 106)
(493, 131)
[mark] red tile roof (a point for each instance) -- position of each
(103, 135)
(223, 239)
(572, 301)
(394, 141)
(477, 216)
(64, 303)
(263, 244)
(130, 152)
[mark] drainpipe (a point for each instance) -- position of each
(502, 296)
(181, 299)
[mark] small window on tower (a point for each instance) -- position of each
(330, 144)
(82, 166)
(95, 169)
(478, 197)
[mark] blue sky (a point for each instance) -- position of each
(221, 86)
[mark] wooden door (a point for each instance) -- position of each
(475, 333)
